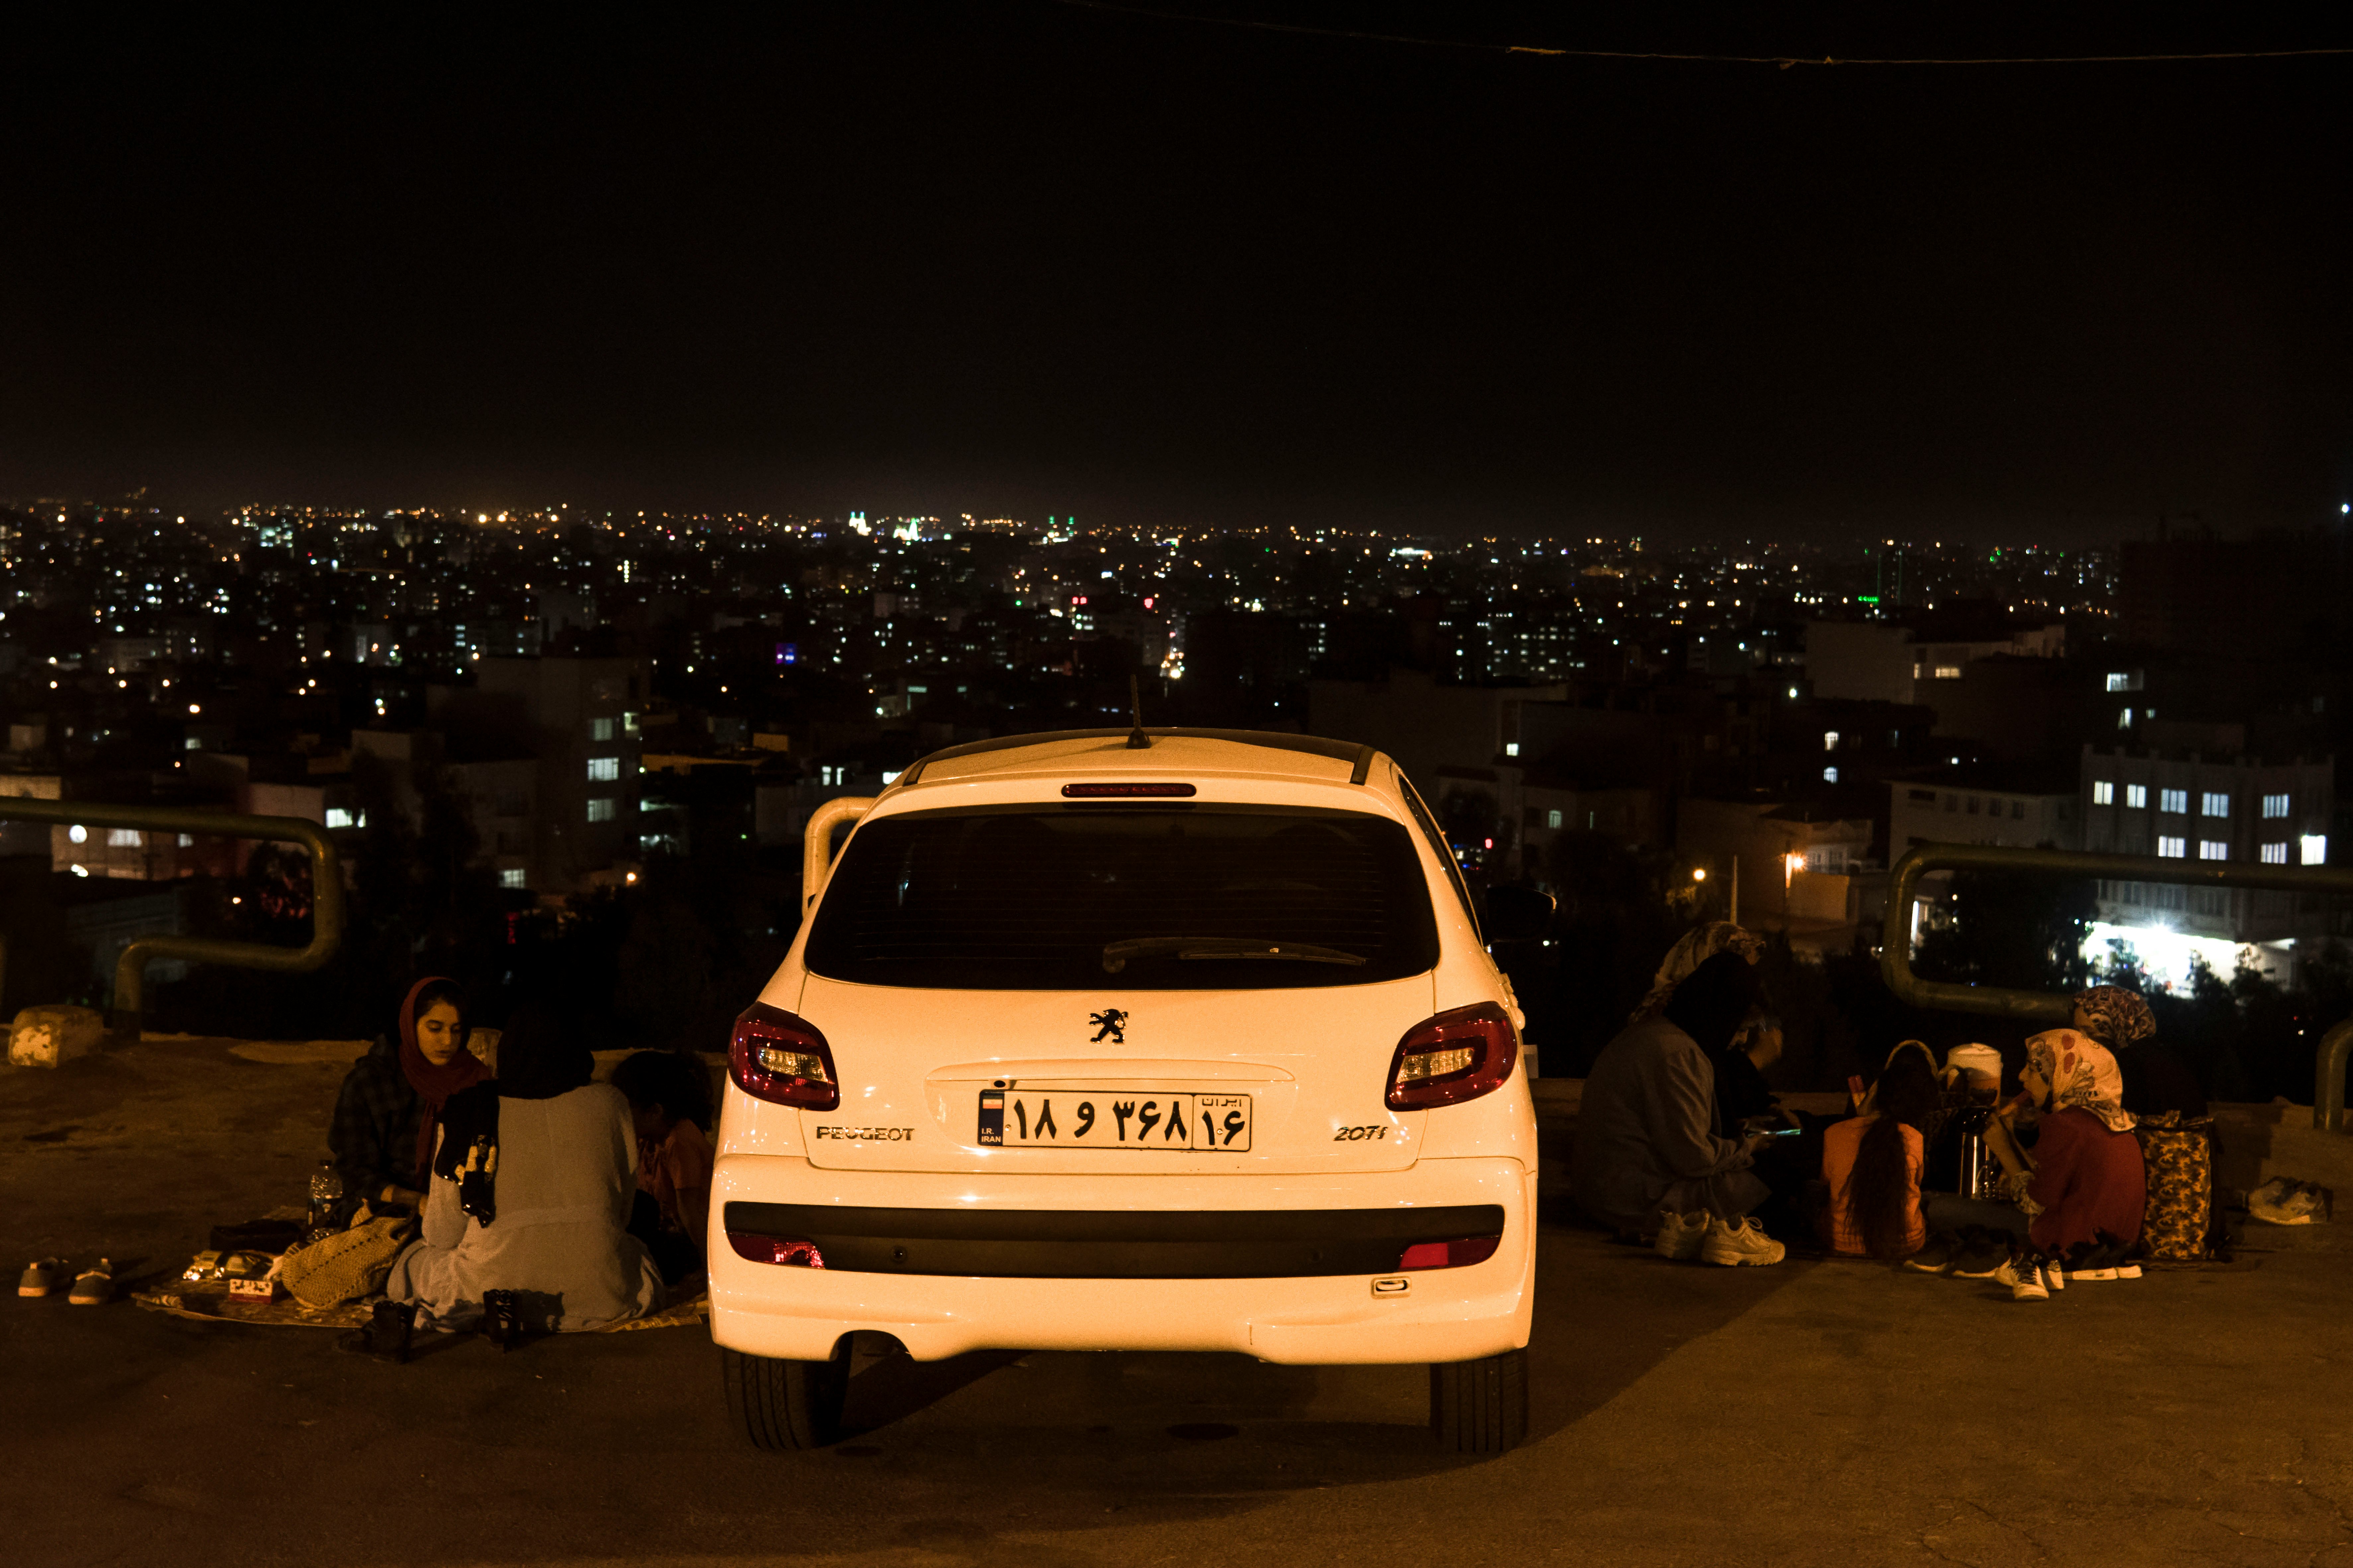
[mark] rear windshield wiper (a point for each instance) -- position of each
(1116, 954)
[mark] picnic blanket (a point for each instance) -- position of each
(210, 1301)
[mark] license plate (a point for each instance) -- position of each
(1101, 1118)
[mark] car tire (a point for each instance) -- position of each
(786, 1405)
(1480, 1406)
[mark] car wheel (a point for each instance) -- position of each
(1480, 1406)
(781, 1405)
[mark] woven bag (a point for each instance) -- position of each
(343, 1267)
(2178, 1155)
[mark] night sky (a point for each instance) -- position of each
(1023, 259)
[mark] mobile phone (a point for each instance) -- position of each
(1780, 1131)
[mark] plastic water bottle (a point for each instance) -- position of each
(326, 1191)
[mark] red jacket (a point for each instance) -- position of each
(2087, 1179)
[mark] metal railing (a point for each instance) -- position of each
(2043, 1006)
(130, 969)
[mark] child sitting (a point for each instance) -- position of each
(670, 1099)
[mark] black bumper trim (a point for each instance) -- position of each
(1115, 1244)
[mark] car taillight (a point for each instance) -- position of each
(778, 1057)
(1459, 1254)
(1457, 1055)
(789, 1251)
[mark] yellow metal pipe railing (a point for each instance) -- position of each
(130, 969)
(2042, 1006)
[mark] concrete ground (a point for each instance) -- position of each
(1810, 1412)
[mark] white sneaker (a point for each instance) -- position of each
(2053, 1276)
(2076, 1276)
(1730, 1245)
(1679, 1237)
(2127, 1270)
(2026, 1281)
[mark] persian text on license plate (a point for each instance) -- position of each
(1101, 1118)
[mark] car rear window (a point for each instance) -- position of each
(1190, 897)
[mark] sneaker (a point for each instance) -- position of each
(2025, 1281)
(2077, 1276)
(2283, 1201)
(1730, 1245)
(1979, 1260)
(2127, 1270)
(1679, 1237)
(1936, 1257)
(41, 1276)
(93, 1287)
(2053, 1276)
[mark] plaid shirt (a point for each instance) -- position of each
(374, 1135)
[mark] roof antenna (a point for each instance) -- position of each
(1137, 741)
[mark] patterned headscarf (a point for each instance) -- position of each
(2080, 1073)
(2114, 1016)
(1697, 946)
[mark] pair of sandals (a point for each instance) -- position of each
(392, 1327)
(93, 1287)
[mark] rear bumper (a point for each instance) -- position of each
(1440, 1315)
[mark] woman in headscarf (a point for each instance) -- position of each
(382, 1136)
(2155, 1079)
(534, 1175)
(2083, 1187)
(1653, 1156)
(1741, 1090)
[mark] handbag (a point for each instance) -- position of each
(2178, 1153)
(343, 1267)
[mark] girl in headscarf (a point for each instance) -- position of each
(2083, 1187)
(382, 1136)
(2155, 1079)
(533, 1176)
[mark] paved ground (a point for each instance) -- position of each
(1806, 1414)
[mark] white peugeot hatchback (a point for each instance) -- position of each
(1170, 1040)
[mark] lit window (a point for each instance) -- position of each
(2119, 681)
(600, 728)
(2274, 805)
(2124, 720)
(1510, 747)
(1830, 740)
(2210, 804)
(1948, 672)
(2173, 800)
(2137, 796)
(604, 769)
(2213, 849)
(2104, 792)
(512, 879)
(1830, 775)
(600, 809)
(2172, 848)
(2316, 849)
(122, 838)
(2275, 854)
(1551, 819)
(338, 817)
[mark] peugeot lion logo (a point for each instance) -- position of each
(1111, 1021)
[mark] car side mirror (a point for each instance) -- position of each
(1518, 914)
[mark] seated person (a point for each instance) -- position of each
(670, 1100)
(1872, 1164)
(382, 1136)
(2082, 1186)
(2155, 1079)
(1652, 1153)
(534, 1175)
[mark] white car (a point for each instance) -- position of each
(1179, 1040)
